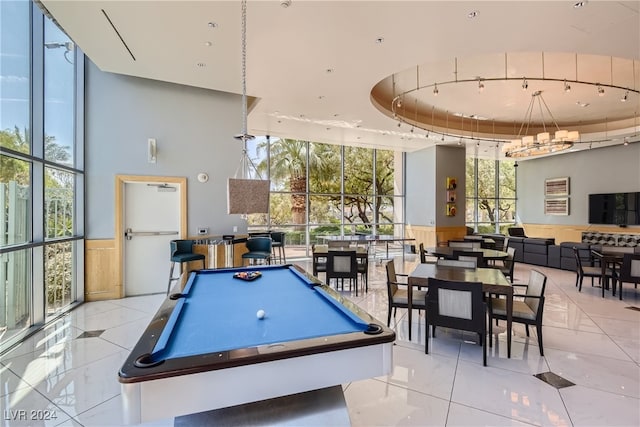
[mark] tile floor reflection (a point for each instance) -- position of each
(66, 374)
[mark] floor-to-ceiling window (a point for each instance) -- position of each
(41, 176)
(323, 189)
(490, 195)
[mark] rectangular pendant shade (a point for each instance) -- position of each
(247, 196)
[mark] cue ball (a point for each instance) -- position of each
(260, 314)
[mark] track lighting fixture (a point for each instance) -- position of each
(542, 136)
(625, 97)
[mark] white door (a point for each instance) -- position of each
(151, 221)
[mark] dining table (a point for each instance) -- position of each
(492, 279)
(372, 241)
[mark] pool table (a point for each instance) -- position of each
(206, 348)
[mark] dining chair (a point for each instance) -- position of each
(342, 265)
(527, 311)
(463, 245)
(424, 254)
(319, 262)
(508, 264)
(258, 249)
(339, 243)
(585, 271)
(607, 273)
(475, 256)
(505, 244)
(456, 305)
(181, 252)
(630, 270)
(456, 263)
(398, 295)
(363, 264)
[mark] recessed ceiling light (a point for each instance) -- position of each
(208, 43)
(212, 25)
(380, 40)
(201, 64)
(329, 70)
(473, 14)
(580, 4)
(582, 104)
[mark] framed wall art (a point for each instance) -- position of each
(556, 186)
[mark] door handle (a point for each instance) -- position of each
(129, 233)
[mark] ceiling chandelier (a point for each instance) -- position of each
(542, 143)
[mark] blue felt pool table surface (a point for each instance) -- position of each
(219, 313)
(211, 324)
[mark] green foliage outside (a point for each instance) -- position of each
(288, 159)
(504, 194)
(59, 199)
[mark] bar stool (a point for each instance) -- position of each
(258, 248)
(182, 251)
(277, 242)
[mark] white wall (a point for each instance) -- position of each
(194, 130)
(420, 173)
(427, 171)
(602, 170)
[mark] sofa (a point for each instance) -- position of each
(535, 250)
(567, 258)
(531, 250)
(544, 252)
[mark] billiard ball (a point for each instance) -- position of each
(260, 314)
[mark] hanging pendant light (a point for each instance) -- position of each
(246, 195)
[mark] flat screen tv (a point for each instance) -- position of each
(614, 208)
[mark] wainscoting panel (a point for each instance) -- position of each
(101, 278)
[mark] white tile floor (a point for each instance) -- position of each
(590, 341)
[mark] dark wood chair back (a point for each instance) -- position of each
(457, 305)
(630, 270)
(470, 255)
